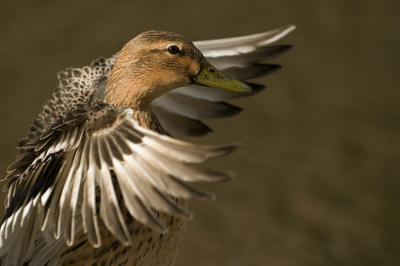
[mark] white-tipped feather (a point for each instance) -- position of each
(166, 183)
(26, 212)
(17, 220)
(149, 170)
(54, 209)
(50, 150)
(241, 45)
(14, 256)
(9, 224)
(109, 209)
(59, 142)
(182, 153)
(151, 197)
(183, 171)
(90, 223)
(61, 210)
(36, 199)
(74, 194)
(2, 230)
(65, 140)
(148, 174)
(45, 196)
(132, 196)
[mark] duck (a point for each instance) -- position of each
(101, 178)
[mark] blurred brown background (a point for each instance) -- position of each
(318, 175)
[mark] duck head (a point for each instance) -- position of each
(156, 62)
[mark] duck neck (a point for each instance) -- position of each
(139, 102)
(149, 120)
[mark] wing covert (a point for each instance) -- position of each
(95, 151)
(80, 150)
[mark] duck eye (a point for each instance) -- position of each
(173, 49)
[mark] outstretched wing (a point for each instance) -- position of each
(78, 143)
(182, 110)
(87, 148)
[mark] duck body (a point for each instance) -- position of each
(148, 247)
(99, 180)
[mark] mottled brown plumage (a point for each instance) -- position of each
(129, 85)
(98, 181)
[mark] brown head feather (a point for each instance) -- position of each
(145, 70)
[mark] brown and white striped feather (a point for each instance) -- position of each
(149, 170)
(80, 148)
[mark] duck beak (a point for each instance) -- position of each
(211, 77)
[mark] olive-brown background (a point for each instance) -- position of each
(318, 175)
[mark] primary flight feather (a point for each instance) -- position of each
(99, 179)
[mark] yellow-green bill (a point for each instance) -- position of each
(212, 77)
